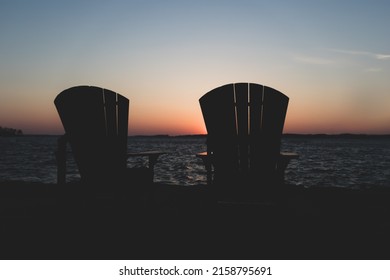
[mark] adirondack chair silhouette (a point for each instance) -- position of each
(244, 123)
(95, 121)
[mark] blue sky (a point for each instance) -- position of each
(332, 58)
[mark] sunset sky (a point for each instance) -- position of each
(332, 58)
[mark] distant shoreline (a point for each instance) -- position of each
(286, 135)
(341, 135)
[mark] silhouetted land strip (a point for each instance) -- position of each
(7, 131)
(45, 221)
(286, 135)
(339, 136)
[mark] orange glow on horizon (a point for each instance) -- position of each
(145, 129)
(187, 126)
(179, 123)
(166, 117)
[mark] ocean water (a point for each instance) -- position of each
(347, 162)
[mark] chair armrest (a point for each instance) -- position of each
(283, 161)
(283, 155)
(202, 154)
(147, 153)
(288, 155)
(206, 158)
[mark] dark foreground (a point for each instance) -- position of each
(43, 221)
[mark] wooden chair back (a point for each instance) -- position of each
(95, 121)
(244, 123)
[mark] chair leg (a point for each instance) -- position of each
(282, 165)
(208, 166)
(61, 159)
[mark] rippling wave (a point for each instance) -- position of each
(323, 161)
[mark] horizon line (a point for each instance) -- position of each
(204, 135)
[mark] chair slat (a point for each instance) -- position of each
(275, 108)
(255, 108)
(256, 114)
(241, 91)
(219, 113)
(218, 110)
(77, 107)
(89, 116)
(110, 111)
(123, 121)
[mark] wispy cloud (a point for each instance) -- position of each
(313, 60)
(383, 56)
(378, 56)
(373, 70)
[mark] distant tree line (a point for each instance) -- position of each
(6, 131)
